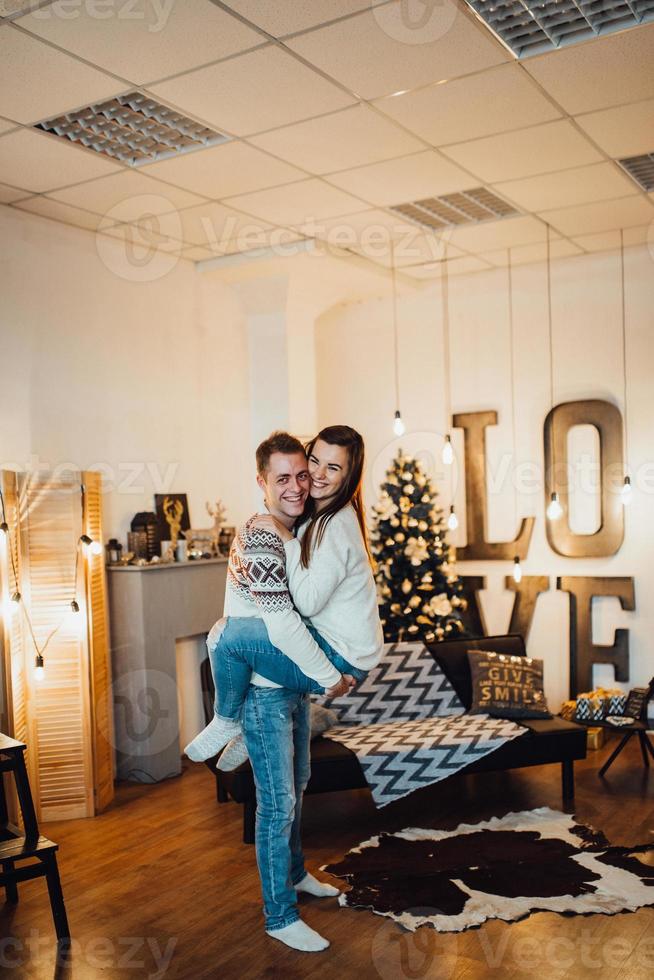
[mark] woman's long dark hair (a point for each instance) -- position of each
(349, 493)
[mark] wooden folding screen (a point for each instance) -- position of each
(65, 717)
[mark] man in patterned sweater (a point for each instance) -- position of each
(275, 721)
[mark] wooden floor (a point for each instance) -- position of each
(161, 886)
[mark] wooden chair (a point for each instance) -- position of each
(17, 847)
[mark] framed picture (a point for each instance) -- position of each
(172, 515)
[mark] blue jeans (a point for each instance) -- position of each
(244, 647)
(276, 729)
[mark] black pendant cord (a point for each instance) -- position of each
(396, 343)
(445, 312)
(512, 353)
(624, 353)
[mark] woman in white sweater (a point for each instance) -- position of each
(328, 568)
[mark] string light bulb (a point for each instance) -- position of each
(626, 491)
(85, 540)
(517, 569)
(452, 520)
(399, 428)
(448, 453)
(554, 508)
(39, 667)
(4, 527)
(16, 597)
(95, 548)
(74, 606)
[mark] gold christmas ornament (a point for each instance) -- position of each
(409, 488)
(406, 586)
(414, 601)
(399, 537)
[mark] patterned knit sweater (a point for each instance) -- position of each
(257, 586)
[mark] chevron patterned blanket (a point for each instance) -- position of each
(402, 756)
(408, 728)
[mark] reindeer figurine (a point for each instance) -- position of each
(217, 511)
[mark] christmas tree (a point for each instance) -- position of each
(420, 594)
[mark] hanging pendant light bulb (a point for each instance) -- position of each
(4, 527)
(39, 668)
(96, 548)
(399, 428)
(554, 508)
(74, 606)
(626, 491)
(16, 597)
(452, 520)
(448, 453)
(517, 569)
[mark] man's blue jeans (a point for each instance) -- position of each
(277, 732)
(244, 647)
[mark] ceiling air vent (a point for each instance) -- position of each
(463, 208)
(132, 128)
(528, 27)
(641, 169)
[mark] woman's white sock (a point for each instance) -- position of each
(234, 755)
(300, 936)
(212, 739)
(312, 886)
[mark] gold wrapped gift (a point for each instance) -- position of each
(594, 738)
(568, 709)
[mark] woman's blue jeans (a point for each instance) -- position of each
(244, 647)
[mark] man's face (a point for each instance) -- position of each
(286, 485)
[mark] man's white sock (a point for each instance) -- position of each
(212, 739)
(300, 936)
(312, 886)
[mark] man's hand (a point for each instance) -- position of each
(344, 686)
(269, 523)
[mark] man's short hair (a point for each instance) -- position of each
(277, 442)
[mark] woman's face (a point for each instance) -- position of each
(328, 466)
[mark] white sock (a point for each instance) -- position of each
(312, 886)
(300, 936)
(235, 754)
(212, 739)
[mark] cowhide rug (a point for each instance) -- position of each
(504, 868)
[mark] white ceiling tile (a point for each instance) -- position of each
(606, 71)
(525, 152)
(622, 132)
(506, 233)
(409, 249)
(126, 196)
(141, 237)
(224, 170)
(252, 92)
(287, 16)
(372, 222)
(197, 254)
(455, 267)
(599, 216)
(279, 240)
(344, 139)
(604, 241)
(154, 41)
(492, 101)
(48, 208)
(10, 194)
(213, 226)
(41, 163)
(63, 83)
(405, 179)
(383, 51)
(525, 254)
(297, 204)
(599, 182)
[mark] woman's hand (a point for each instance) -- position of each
(269, 523)
(344, 686)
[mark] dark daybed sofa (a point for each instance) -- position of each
(335, 768)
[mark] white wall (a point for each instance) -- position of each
(144, 380)
(355, 385)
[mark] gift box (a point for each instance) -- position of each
(617, 704)
(594, 738)
(591, 707)
(568, 709)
